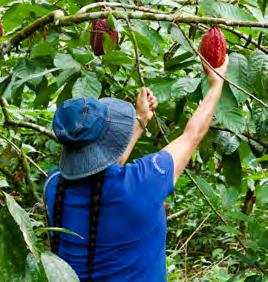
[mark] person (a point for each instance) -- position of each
(117, 208)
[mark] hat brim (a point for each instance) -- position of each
(97, 156)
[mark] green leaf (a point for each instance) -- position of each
(161, 88)
(87, 86)
(57, 269)
(43, 96)
(43, 48)
(262, 195)
(155, 37)
(179, 62)
(16, 14)
(254, 278)
(42, 230)
(65, 75)
(13, 251)
(238, 73)
(228, 143)
(145, 46)
(239, 216)
(24, 223)
(225, 10)
(116, 58)
(229, 229)
(262, 4)
(184, 85)
(177, 36)
(81, 55)
(108, 44)
(66, 61)
(33, 272)
(232, 169)
(258, 73)
(207, 190)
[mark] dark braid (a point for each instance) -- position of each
(96, 182)
(57, 214)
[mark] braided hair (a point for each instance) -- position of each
(57, 214)
(96, 183)
(96, 192)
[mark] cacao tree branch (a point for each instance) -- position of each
(59, 19)
(89, 7)
(9, 122)
(220, 217)
(177, 214)
(226, 79)
(175, 18)
(138, 68)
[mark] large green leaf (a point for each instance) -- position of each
(117, 58)
(17, 13)
(258, 73)
(262, 4)
(13, 250)
(66, 61)
(238, 73)
(228, 143)
(87, 86)
(162, 88)
(232, 169)
(229, 229)
(57, 269)
(206, 188)
(225, 10)
(154, 37)
(184, 85)
(24, 223)
(177, 36)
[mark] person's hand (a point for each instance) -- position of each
(146, 103)
(213, 78)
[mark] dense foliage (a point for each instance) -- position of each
(217, 223)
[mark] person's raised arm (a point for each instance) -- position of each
(146, 103)
(182, 148)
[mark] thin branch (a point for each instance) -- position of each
(76, 19)
(226, 79)
(18, 150)
(9, 122)
(138, 68)
(88, 7)
(177, 214)
(195, 231)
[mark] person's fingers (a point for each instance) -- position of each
(143, 93)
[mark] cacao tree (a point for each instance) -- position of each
(53, 50)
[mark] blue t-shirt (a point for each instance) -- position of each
(130, 245)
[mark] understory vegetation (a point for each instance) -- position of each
(217, 218)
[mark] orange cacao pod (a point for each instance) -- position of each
(213, 47)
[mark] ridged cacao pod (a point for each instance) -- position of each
(99, 27)
(1, 28)
(213, 47)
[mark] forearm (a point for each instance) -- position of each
(199, 123)
(136, 135)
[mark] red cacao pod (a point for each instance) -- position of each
(99, 27)
(213, 47)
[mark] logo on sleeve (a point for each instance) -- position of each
(156, 164)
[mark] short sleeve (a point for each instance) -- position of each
(153, 175)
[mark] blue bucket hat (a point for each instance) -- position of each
(94, 134)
